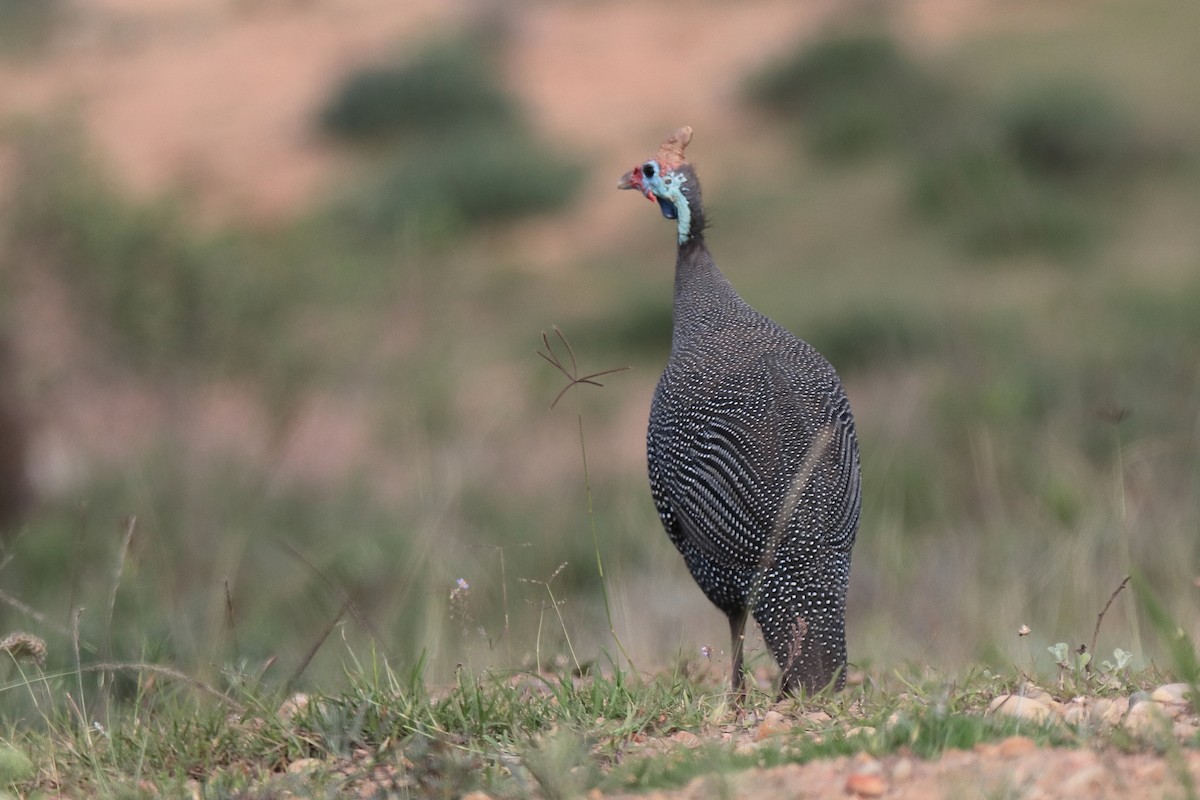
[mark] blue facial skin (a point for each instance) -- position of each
(668, 191)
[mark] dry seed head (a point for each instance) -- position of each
(23, 646)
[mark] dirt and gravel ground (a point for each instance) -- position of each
(1014, 768)
(1158, 763)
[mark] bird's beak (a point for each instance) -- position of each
(631, 179)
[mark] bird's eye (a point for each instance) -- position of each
(648, 169)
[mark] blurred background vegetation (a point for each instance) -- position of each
(235, 444)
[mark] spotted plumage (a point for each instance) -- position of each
(752, 456)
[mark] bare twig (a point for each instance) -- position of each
(230, 622)
(312, 653)
(333, 586)
(76, 613)
(118, 571)
(1100, 618)
(174, 674)
(500, 548)
(31, 612)
(556, 604)
(572, 375)
(575, 379)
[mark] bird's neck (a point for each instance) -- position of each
(690, 223)
(703, 296)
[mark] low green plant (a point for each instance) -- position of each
(27, 25)
(1067, 132)
(850, 94)
(444, 189)
(992, 206)
(147, 284)
(1039, 173)
(445, 86)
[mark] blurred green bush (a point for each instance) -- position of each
(26, 25)
(1037, 172)
(446, 187)
(1043, 171)
(165, 293)
(451, 149)
(852, 95)
(449, 85)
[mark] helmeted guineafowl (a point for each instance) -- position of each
(752, 454)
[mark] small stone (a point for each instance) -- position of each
(818, 717)
(1109, 711)
(1151, 772)
(302, 765)
(902, 770)
(1138, 697)
(1147, 718)
(368, 789)
(865, 784)
(867, 764)
(1078, 712)
(1172, 694)
(773, 724)
(1013, 705)
(1185, 729)
(1015, 746)
(860, 730)
(1035, 692)
(745, 749)
(987, 749)
(686, 738)
(293, 706)
(478, 795)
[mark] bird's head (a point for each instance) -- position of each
(669, 179)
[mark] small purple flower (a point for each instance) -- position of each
(706, 651)
(462, 585)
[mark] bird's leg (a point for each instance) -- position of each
(737, 637)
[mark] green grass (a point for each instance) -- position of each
(509, 733)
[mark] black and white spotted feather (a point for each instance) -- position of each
(753, 462)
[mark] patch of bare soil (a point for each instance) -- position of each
(1013, 768)
(1162, 722)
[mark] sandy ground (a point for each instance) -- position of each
(1011, 769)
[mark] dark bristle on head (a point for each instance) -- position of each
(754, 467)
